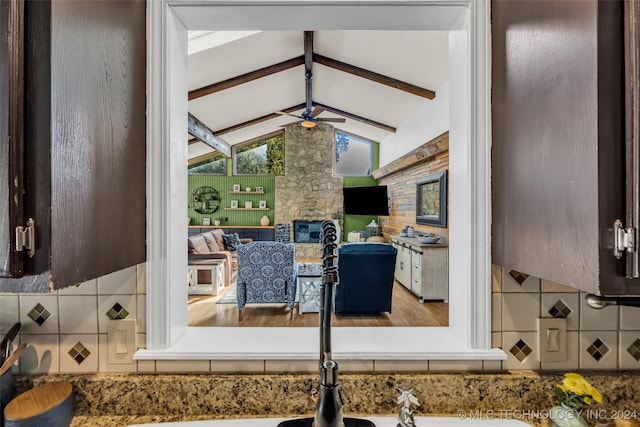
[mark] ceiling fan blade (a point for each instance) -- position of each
(287, 124)
(316, 111)
(288, 114)
(332, 119)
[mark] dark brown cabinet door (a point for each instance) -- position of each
(84, 143)
(11, 132)
(558, 152)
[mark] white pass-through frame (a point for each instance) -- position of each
(468, 335)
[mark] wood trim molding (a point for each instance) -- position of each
(422, 154)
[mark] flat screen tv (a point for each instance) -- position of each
(366, 200)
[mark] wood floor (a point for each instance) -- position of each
(407, 311)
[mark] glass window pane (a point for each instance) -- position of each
(261, 157)
(354, 156)
(215, 165)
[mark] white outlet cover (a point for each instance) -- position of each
(121, 341)
(552, 339)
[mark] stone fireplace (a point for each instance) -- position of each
(308, 191)
(306, 231)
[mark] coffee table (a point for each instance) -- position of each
(216, 266)
(309, 281)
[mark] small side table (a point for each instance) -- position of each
(216, 266)
(309, 281)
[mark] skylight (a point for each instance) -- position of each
(202, 40)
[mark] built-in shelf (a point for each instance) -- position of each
(246, 209)
(246, 192)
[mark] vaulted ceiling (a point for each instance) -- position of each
(237, 112)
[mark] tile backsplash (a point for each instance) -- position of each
(67, 330)
(596, 339)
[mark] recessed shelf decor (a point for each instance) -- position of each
(205, 200)
(246, 192)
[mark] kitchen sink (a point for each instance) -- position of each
(388, 421)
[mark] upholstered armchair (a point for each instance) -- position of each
(365, 272)
(266, 274)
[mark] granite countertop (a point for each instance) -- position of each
(121, 399)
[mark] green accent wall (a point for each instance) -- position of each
(357, 222)
(360, 222)
(224, 185)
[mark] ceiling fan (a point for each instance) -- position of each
(309, 117)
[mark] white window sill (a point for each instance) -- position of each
(367, 343)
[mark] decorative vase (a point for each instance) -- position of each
(566, 416)
(264, 221)
(336, 222)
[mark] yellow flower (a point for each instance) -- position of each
(575, 390)
(577, 384)
(596, 395)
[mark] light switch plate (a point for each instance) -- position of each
(121, 341)
(552, 339)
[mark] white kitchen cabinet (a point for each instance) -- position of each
(403, 264)
(423, 268)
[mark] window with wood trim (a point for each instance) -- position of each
(261, 156)
(210, 164)
(354, 155)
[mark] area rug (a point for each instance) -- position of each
(229, 296)
(200, 290)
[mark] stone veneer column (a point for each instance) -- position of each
(308, 190)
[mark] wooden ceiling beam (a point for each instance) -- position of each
(308, 51)
(373, 76)
(247, 77)
(308, 66)
(205, 134)
(356, 117)
(300, 107)
(258, 120)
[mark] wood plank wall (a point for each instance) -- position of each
(401, 186)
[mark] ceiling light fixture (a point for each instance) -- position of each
(308, 124)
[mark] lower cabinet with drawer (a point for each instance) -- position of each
(423, 268)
